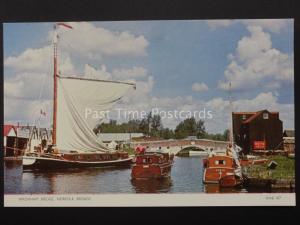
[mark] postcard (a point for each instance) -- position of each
(149, 113)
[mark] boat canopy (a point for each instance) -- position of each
(77, 100)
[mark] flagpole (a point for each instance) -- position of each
(230, 118)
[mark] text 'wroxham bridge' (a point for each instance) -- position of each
(175, 146)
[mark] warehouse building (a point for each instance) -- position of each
(260, 130)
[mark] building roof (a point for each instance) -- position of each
(256, 114)
(289, 133)
(243, 113)
(7, 129)
(253, 116)
(251, 113)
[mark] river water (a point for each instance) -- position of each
(186, 177)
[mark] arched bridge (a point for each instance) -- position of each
(175, 146)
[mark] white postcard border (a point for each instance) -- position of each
(150, 200)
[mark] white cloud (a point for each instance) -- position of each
(199, 87)
(27, 111)
(264, 100)
(34, 66)
(34, 60)
(29, 86)
(94, 42)
(134, 73)
(256, 63)
(273, 25)
(39, 60)
(101, 74)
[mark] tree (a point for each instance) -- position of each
(200, 129)
(156, 123)
(144, 126)
(189, 127)
(226, 135)
(217, 137)
(167, 133)
(132, 126)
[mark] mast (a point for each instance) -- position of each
(55, 85)
(231, 120)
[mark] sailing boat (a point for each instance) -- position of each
(74, 144)
(224, 168)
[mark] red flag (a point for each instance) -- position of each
(65, 25)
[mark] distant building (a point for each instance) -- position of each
(191, 138)
(118, 137)
(10, 136)
(289, 140)
(260, 130)
(19, 138)
(289, 134)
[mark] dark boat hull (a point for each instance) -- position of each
(41, 163)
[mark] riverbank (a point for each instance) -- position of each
(282, 176)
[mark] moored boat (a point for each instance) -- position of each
(152, 165)
(217, 167)
(247, 162)
(224, 167)
(74, 143)
(76, 160)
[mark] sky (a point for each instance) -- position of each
(177, 65)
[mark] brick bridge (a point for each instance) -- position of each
(175, 146)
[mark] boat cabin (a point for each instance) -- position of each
(153, 158)
(220, 161)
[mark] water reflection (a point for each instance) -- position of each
(152, 185)
(186, 177)
(10, 164)
(215, 188)
(87, 180)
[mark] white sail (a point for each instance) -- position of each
(76, 98)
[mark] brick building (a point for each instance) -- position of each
(260, 130)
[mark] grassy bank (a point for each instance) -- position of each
(284, 170)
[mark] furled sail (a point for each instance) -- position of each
(76, 99)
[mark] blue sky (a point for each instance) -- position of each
(176, 55)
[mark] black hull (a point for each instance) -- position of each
(53, 164)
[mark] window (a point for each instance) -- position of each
(220, 162)
(244, 117)
(266, 116)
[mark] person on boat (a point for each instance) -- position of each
(211, 153)
(147, 148)
(235, 157)
(140, 149)
(229, 150)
